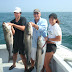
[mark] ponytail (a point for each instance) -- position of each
(57, 21)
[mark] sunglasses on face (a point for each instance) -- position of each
(36, 13)
(16, 13)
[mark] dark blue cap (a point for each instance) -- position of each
(53, 15)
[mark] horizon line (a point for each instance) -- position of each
(42, 11)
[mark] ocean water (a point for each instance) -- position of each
(65, 24)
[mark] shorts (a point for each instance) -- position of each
(18, 47)
(33, 53)
(51, 48)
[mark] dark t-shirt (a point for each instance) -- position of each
(19, 35)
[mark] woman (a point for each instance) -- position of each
(53, 39)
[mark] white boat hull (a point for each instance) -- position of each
(57, 63)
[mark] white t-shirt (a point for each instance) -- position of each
(54, 31)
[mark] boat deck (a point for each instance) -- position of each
(4, 57)
(18, 68)
(61, 62)
(65, 54)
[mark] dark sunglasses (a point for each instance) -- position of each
(36, 13)
(18, 13)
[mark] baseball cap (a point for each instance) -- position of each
(17, 10)
(53, 15)
(36, 10)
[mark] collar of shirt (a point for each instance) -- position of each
(38, 21)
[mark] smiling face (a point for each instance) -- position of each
(37, 15)
(17, 15)
(52, 21)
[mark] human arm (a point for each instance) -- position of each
(57, 38)
(34, 25)
(17, 26)
(58, 34)
(20, 26)
(13, 31)
(41, 27)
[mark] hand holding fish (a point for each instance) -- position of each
(11, 24)
(32, 23)
(46, 38)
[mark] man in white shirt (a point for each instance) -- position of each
(39, 28)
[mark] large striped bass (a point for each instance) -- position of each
(8, 38)
(28, 41)
(40, 55)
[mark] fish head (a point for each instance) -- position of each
(6, 27)
(41, 42)
(39, 38)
